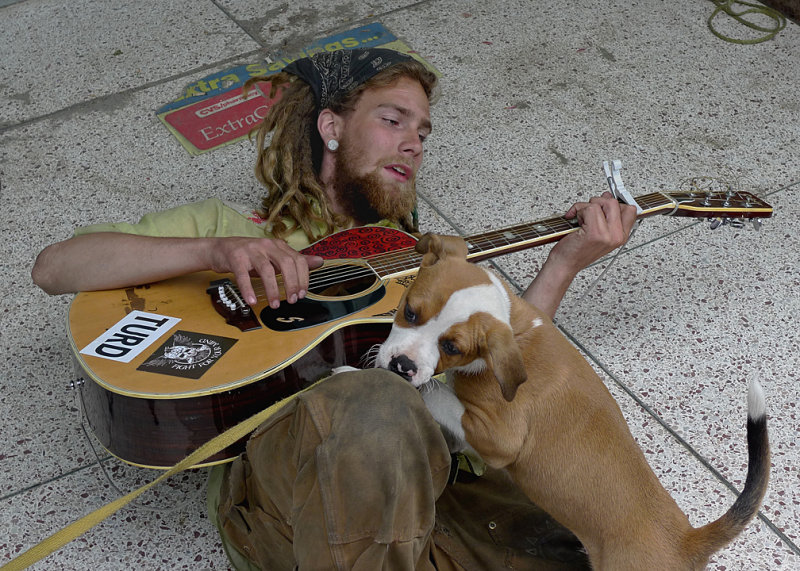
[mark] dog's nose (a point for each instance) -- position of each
(403, 366)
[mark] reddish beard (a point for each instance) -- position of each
(369, 198)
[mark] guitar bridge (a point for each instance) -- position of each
(228, 302)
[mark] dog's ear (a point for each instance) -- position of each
(435, 247)
(504, 357)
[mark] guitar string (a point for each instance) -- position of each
(400, 260)
(528, 231)
(521, 232)
(407, 258)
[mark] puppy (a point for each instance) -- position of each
(524, 398)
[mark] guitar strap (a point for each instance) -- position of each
(60, 538)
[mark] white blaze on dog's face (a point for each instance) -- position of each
(454, 315)
(450, 337)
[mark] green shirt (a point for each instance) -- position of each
(205, 219)
(208, 218)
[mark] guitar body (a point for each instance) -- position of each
(205, 375)
(159, 432)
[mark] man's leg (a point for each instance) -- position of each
(488, 523)
(344, 477)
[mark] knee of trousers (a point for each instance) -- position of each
(372, 417)
(379, 447)
(378, 410)
(368, 459)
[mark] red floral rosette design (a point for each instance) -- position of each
(361, 243)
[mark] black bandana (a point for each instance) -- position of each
(332, 74)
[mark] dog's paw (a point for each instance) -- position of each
(343, 369)
(447, 410)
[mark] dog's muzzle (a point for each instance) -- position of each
(403, 366)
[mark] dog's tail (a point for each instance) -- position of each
(704, 541)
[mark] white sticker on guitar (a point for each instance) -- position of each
(130, 336)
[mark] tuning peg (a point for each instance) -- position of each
(737, 223)
(716, 223)
(756, 223)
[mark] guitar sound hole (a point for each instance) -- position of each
(328, 302)
(345, 288)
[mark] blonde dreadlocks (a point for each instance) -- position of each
(289, 164)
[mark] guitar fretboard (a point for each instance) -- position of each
(497, 242)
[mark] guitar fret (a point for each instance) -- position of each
(654, 201)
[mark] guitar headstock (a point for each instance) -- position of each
(722, 204)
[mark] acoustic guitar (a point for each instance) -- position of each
(170, 365)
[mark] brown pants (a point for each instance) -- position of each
(353, 474)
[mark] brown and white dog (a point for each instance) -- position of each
(525, 399)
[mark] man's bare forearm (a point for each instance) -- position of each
(548, 288)
(110, 260)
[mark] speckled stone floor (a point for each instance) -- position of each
(535, 96)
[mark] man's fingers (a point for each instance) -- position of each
(629, 216)
(242, 277)
(266, 258)
(311, 263)
(270, 281)
(314, 261)
(618, 213)
(304, 274)
(605, 218)
(295, 269)
(294, 273)
(574, 209)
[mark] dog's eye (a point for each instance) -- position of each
(409, 314)
(449, 347)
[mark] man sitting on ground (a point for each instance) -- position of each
(352, 474)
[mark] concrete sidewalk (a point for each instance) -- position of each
(535, 96)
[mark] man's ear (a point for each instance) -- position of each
(503, 356)
(435, 247)
(330, 125)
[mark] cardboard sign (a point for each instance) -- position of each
(219, 120)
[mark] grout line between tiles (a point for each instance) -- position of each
(235, 21)
(70, 109)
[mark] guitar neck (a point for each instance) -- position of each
(531, 234)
